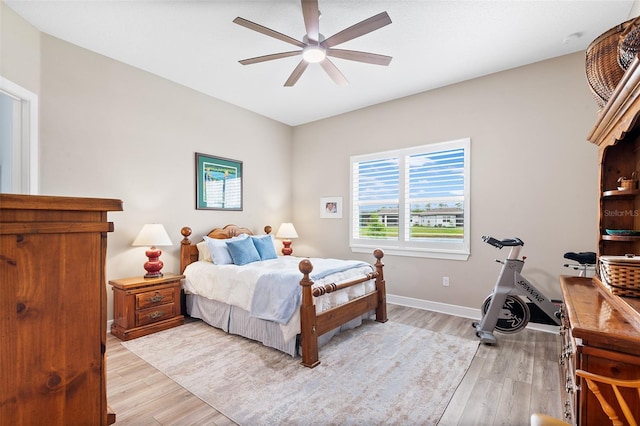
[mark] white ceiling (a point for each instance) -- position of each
(434, 43)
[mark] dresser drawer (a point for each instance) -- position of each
(155, 314)
(154, 298)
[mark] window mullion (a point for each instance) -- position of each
(403, 210)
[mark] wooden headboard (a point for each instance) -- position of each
(189, 250)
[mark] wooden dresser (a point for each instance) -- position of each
(600, 334)
(53, 310)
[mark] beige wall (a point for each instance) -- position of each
(19, 50)
(109, 130)
(533, 175)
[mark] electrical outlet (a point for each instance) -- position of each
(445, 281)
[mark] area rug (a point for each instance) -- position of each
(376, 374)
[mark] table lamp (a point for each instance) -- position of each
(152, 235)
(286, 232)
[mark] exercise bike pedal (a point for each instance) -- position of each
(486, 337)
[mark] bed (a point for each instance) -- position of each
(337, 300)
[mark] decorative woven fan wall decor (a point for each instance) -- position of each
(629, 45)
(608, 56)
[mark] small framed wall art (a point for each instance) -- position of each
(218, 183)
(331, 207)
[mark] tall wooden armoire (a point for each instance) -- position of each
(601, 326)
(53, 309)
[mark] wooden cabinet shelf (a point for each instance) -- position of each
(630, 238)
(617, 135)
(621, 193)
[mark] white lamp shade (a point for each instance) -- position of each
(286, 231)
(151, 235)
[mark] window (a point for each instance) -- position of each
(413, 201)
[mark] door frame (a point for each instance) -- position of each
(29, 143)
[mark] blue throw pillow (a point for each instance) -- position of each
(219, 250)
(265, 247)
(243, 251)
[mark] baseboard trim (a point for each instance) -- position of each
(458, 311)
(443, 308)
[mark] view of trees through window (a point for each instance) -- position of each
(411, 197)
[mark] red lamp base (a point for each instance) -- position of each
(287, 250)
(154, 265)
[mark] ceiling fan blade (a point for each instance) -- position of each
(353, 55)
(297, 72)
(268, 31)
(334, 72)
(271, 57)
(357, 30)
(311, 16)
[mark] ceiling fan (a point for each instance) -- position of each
(316, 49)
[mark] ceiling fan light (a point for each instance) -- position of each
(314, 54)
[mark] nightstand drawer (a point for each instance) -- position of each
(155, 314)
(154, 298)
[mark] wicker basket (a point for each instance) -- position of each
(628, 184)
(602, 67)
(629, 45)
(621, 275)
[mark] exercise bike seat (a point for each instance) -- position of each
(583, 258)
(509, 242)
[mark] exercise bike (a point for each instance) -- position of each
(508, 308)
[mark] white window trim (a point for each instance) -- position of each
(449, 251)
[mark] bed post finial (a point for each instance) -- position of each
(308, 330)
(267, 229)
(378, 254)
(185, 257)
(186, 233)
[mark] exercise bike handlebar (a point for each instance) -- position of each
(509, 242)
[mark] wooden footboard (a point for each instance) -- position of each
(313, 325)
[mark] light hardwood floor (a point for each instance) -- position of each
(504, 385)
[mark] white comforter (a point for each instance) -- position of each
(235, 285)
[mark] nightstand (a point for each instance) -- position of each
(143, 306)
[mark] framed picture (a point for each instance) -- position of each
(218, 183)
(331, 207)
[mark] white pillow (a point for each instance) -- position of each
(219, 251)
(203, 252)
